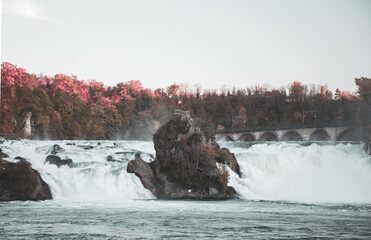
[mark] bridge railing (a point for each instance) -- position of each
(275, 128)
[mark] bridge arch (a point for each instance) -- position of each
(349, 134)
(268, 136)
(246, 137)
(225, 138)
(291, 136)
(319, 135)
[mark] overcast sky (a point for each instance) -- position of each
(210, 42)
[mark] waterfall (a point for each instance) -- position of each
(270, 171)
(293, 172)
(91, 177)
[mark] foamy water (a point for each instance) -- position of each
(278, 171)
(314, 173)
(91, 177)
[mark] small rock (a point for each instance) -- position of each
(55, 149)
(109, 158)
(20, 158)
(52, 159)
(86, 147)
(67, 161)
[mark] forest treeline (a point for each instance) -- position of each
(64, 107)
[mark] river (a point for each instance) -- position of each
(287, 190)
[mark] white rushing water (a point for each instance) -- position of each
(91, 177)
(314, 173)
(279, 171)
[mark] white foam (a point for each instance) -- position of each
(289, 171)
(92, 178)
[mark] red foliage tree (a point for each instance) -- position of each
(64, 107)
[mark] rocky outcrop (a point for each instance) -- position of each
(188, 164)
(144, 171)
(226, 157)
(19, 181)
(27, 130)
(52, 159)
(55, 149)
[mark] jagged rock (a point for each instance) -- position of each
(226, 157)
(19, 181)
(144, 171)
(52, 159)
(188, 162)
(55, 149)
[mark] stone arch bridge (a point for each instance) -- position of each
(305, 133)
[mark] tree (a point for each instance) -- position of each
(65, 107)
(364, 113)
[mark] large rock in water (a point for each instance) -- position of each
(188, 164)
(19, 181)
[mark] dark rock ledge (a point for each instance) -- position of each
(187, 164)
(19, 181)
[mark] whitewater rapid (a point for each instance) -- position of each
(333, 173)
(91, 177)
(270, 171)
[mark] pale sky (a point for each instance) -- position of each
(210, 42)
